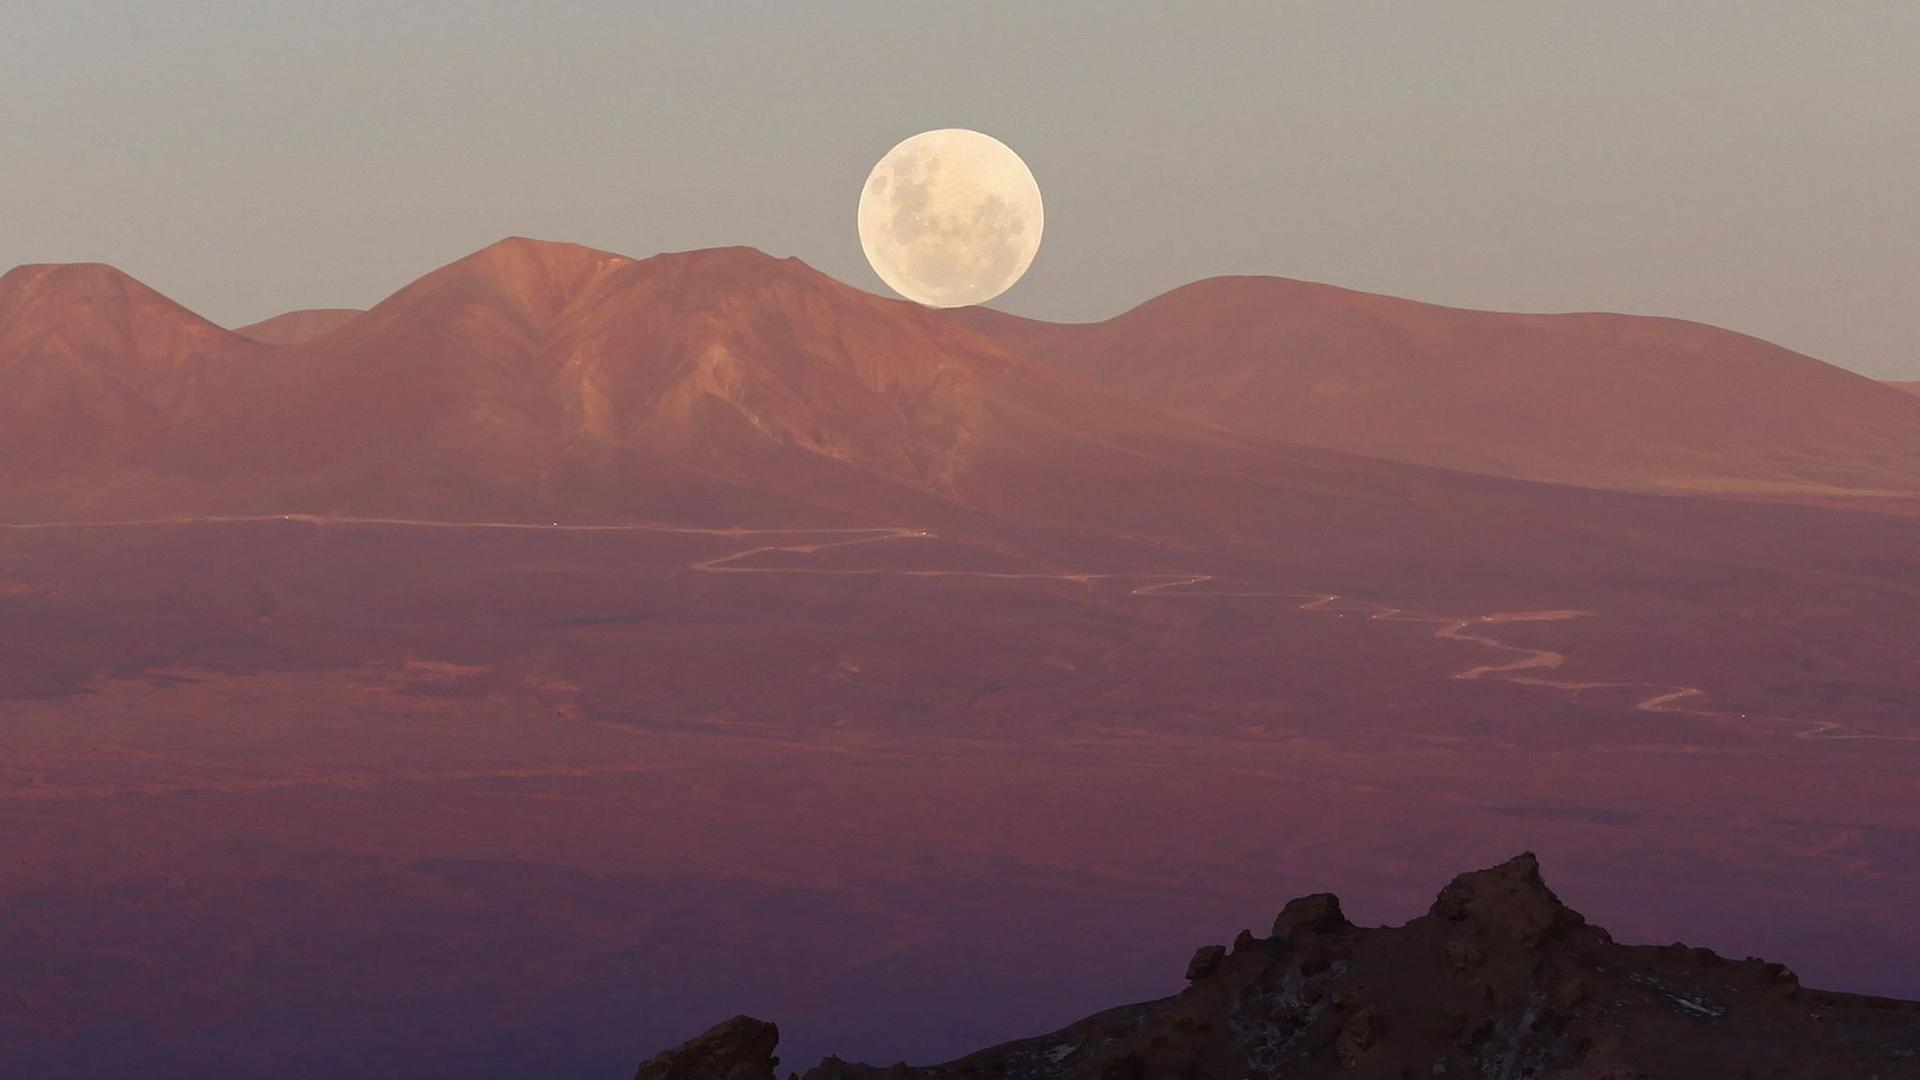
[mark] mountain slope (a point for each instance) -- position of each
(517, 380)
(1498, 979)
(1604, 400)
(97, 366)
(533, 376)
(298, 327)
(535, 379)
(1908, 387)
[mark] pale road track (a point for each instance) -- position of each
(1661, 697)
(36, 792)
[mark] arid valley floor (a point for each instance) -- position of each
(564, 787)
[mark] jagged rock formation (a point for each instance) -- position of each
(739, 1049)
(1499, 980)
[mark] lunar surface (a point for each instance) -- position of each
(950, 218)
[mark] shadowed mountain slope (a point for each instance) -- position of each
(1595, 399)
(1497, 979)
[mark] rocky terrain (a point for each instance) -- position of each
(1499, 979)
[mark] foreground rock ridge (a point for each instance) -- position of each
(1499, 979)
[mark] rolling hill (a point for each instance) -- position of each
(298, 327)
(534, 374)
(533, 378)
(98, 368)
(1595, 399)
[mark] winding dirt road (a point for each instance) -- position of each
(1663, 698)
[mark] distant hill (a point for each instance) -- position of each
(1604, 400)
(296, 327)
(97, 368)
(1498, 979)
(542, 374)
(536, 379)
(1909, 387)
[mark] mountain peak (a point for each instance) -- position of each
(73, 272)
(517, 259)
(549, 274)
(532, 247)
(736, 1049)
(527, 251)
(526, 282)
(97, 311)
(1512, 895)
(38, 284)
(736, 266)
(92, 361)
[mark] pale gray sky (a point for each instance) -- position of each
(1752, 164)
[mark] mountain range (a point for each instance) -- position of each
(1597, 399)
(538, 378)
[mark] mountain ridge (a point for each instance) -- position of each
(531, 377)
(1598, 399)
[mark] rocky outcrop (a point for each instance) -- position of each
(738, 1049)
(1499, 980)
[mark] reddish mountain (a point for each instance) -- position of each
(98, 367)
(1603, 400)
(297, 327)
(535, 374)
(1909, 387)
(533, 378)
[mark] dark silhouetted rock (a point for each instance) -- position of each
(738, 1049)
(1206, 960)
(1316, 914)
(1498, 979)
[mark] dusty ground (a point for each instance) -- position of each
(483, 801)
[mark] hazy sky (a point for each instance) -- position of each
(1751, 164)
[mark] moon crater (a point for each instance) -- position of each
(950, 218)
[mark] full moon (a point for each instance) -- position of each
(950, 218)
